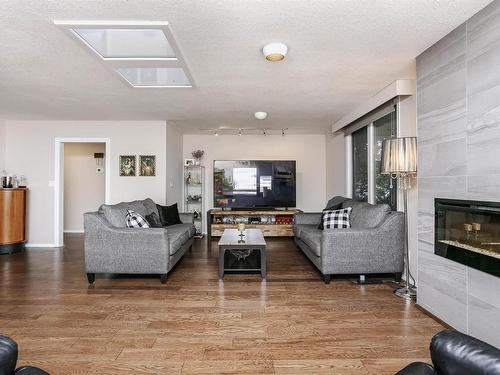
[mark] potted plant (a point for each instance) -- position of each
(197, 155)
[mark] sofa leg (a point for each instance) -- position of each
(163, 278)
(190, 249)
(326, 279)
(91, 278)
(397, 277)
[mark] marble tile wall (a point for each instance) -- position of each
(458, 111)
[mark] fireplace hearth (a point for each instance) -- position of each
(468, 232)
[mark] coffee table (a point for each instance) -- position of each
(252, 240)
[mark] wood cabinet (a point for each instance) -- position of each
(273, 223)
(12, 219)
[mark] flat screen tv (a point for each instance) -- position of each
(254, 183)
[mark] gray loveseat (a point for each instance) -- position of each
(111, 247)
(373, 244)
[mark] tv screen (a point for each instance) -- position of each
(254, 183)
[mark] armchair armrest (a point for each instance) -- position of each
(307, 218)
(187, 217)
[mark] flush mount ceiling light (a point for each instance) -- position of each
(143, 53)
(260, 115)
(275, 51)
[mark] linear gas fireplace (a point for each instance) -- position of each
(468, 232)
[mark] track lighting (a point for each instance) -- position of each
(216, 133)
(264, 131)
(283, 132)
(239, 132)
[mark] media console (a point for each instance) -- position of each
(273, 223)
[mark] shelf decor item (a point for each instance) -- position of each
(197, 155)
(399, 160)
(194, 190)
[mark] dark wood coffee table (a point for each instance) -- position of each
(252, 240)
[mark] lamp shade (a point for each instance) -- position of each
(399, 156)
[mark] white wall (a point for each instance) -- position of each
(30, 152)
(83, 186)
(335, 165)
(174, 165)
(307, 150)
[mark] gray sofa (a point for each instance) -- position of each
(111, 247)
(373, 244)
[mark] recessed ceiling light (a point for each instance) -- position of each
(275, 51)
(260, 115)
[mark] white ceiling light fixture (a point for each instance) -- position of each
(144, 54)
(260, 115)
(275, 51)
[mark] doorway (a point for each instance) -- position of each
(81, 182)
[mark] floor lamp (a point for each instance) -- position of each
(399, 160)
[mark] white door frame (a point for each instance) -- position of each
(59, 180)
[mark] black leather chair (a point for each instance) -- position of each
(8, 360)
(454, 353)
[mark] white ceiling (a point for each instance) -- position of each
(340, 52)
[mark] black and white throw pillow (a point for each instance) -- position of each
(336, 218)
(135, 220)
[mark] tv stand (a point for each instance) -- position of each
(273, 222)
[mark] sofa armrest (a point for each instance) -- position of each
(307, 218)
(372, 249)
(187, 217)
(124, 250)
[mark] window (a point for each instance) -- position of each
(368, 184)
(360, 165)
(384, 128)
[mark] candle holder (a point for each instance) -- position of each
(468, 230)
(241, 228)
(476, 227)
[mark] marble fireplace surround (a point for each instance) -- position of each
(458, 113)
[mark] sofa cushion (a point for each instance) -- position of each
(154, 220)
(169, 215)
(312, 238)
(150, 206)
(366, 215)
(178, 235)
(335, 203)
(116, 213)
(336, 218)
(297, 229)
(134, 220)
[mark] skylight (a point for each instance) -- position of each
(155, 77)
(143, 53)
(127, 43)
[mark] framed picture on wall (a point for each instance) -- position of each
(147, 165)
(128, 165)
(188, 162)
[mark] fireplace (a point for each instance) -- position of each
(468, 232)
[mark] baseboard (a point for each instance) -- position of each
(73, 231)
(40, 245)
(431, 315)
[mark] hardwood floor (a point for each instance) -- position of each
(196, 324)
